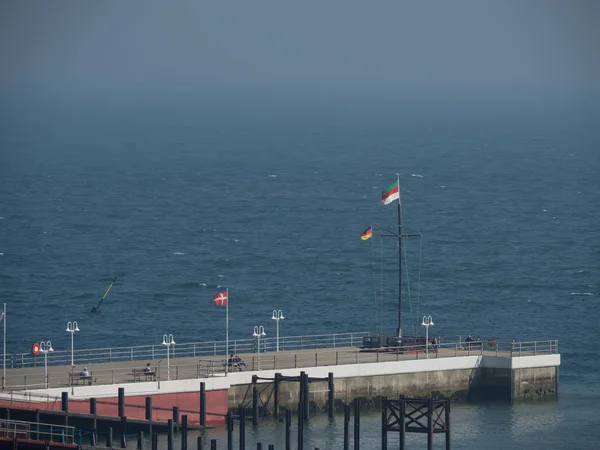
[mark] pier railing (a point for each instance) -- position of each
(37, 431)
(193, 349)
(209, 366)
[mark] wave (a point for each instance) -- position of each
(202, 284)
(178, 253)
(582, 293)
(272, 176)
(416, 175)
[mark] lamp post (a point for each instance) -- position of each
(72, 328)
(427, 322)
(168, 341)
(277, 316)
(46, 347)
(258, 332)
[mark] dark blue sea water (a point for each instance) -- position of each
(269, 196)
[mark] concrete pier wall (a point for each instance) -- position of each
(476, 377)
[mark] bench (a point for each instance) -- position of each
(238, 364)
(137, 375)
(75, 378)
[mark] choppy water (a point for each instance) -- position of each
(178, 202)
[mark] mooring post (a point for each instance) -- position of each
(288, 424)
(276, 396)
(242, 428)
(213, 444)
(37, 424)
(331, 395)
(170, 434)
(121, 402)
(258, 446)
(154, 441)
(271, 446)
(140, 440)
(109, 438)
(447, 414)
(149, 409)
(65, 402)
(184, 426)
(300, 426)
(200, 443)
(346, 422)
(93, 406)
(202, 404)
(356, 423)
(229, 420)
(402, 422)
(254, 401)
(123, 432)
(176, 417)
(306, 401)
(430, 423)
(384, 424)
(93, 438)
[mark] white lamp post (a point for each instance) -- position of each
(46, 347)
(427, 322)
(168, 341)
(72, 328)
(277, 316)
(258, 332)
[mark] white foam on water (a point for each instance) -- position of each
(545, 210)
(221, 276)
(178, 253)
(442, 187)
(202, 284)
(581, 293)
(416, 175)
(1, 254)
(272, 176)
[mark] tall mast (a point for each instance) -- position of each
(399, 330)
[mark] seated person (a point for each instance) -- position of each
(469, 338)
(148, 370)
(434, 343)
(84, 373)
(230, 361)
(238, 362)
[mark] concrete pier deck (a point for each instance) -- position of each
(524, 371)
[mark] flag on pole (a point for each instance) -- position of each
(1, 315)
(390, 194)
(220, 299)
(367, 234)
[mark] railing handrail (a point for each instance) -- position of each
(203, 348)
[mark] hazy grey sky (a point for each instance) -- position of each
(48, 45)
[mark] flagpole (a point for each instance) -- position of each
(399, 331)
(227, 334)
(4, 352)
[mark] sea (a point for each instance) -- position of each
(266, 194)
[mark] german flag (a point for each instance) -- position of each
(367, 234)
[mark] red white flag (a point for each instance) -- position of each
(220, 299)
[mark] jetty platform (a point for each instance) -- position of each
(507, 371)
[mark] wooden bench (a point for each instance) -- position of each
(137, 375)
(75, 378)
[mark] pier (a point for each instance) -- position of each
(506, 371)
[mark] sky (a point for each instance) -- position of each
(64, 47)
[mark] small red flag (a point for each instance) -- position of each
(220, 299)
